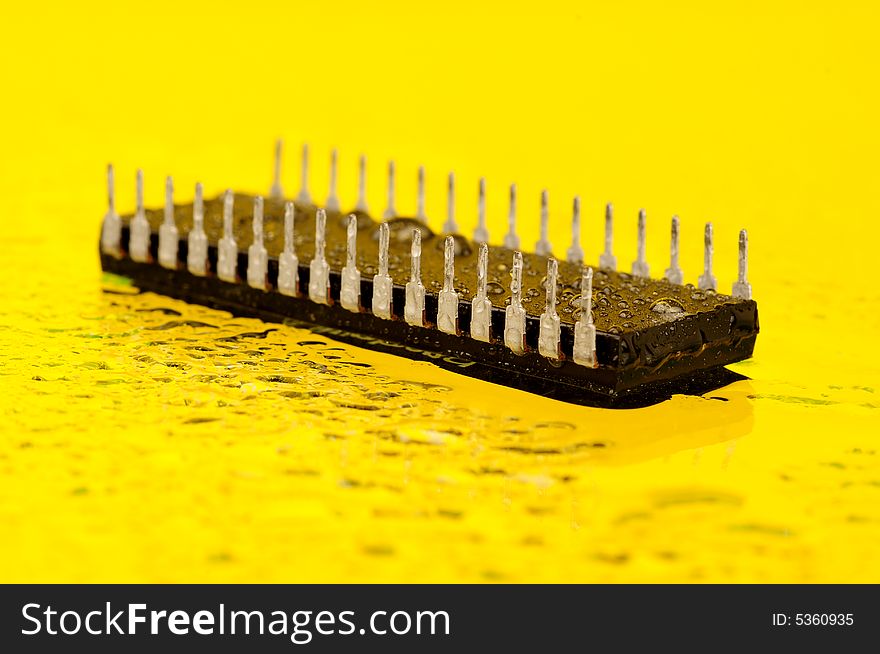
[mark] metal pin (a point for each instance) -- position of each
(169, 201)
(319, 270)
(481, 307)
(742, 289)
(447, 299)
(420, 197)
(449, 226)
(607, 259)
(227, 248)
(276, 192)
(390, 211)
(168, 235)
(304, 197)
(548, 338)
(350, 292)
(511, 240)
(332, 203)
(584, 352)
(139, 229)
(362, 185)
(640, 265)
(481, 233)
(111, 190)
(288, 263)
(674, 273)
(543, 246)
(575, 253)
(515, 315)
(414, 308)
(258, 259)
(111, 228)
(197, 240)
(382, 284)
(707, 279)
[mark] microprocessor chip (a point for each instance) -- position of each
(590, 335)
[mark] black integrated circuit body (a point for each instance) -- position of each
(653, 338)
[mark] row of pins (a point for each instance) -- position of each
(575, 254)
(414, 309)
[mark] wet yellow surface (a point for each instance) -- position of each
(143, 439)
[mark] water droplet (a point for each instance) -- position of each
(494, 288)
(667, 306)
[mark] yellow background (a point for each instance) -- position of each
(127, 453)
